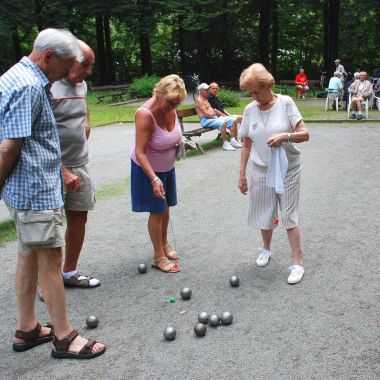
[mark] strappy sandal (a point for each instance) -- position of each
(32, 338)
(170, 253)
(166, 266)
(61, 350)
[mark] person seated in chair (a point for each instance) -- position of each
(213, 118)
(216, 104)
(301, 84)
(360, 91)
(335, 86)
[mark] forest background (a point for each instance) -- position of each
(214, 38)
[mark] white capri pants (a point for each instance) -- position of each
(264, 202)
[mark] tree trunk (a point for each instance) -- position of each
(274, 38)
(202, 56)
(16, 44)
(331, 32)
(38, 6)
(182, 45)
(334, 10)
(326, 58)
(109, 55)
(101, 53)
(226, 49)
(265, 7)
(145, 53)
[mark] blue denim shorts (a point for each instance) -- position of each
(143, 199)
(218, 122)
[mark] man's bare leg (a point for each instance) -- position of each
(26, 287)
(75, 233)
(223, 132)
(50, 278)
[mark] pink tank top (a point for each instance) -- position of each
(161, 147)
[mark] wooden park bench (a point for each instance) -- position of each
(197, 132)
(283, 85)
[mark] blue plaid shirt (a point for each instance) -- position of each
(25, 112)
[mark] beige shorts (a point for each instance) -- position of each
(264, 202)
(38, 229)
(84, 199)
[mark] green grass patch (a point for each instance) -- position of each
(113, 190)
(7, 231)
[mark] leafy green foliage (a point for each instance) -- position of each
(228, 98)
(142, 87)
(7, 231)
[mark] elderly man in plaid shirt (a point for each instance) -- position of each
(31, 187)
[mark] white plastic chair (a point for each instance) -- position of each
(366, 105)
(377, 102)
(334, 96)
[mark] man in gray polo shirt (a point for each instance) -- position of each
(71, 113)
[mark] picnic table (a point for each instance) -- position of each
(116, 97)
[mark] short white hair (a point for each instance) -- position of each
(337, 74)
(61, 41)
(356, 75)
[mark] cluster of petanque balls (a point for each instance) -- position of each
(200, 328)
(214, 320)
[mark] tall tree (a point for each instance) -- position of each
(331, 38)
(100, 50)
(264, 31)
(274, 50)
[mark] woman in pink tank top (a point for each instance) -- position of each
(153, 183)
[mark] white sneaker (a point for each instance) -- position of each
(263, 258)
(235, 144)
(228, 146)
(296, 274)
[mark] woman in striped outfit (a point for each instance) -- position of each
(270, 128)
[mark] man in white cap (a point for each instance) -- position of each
(340, 68)
(213, 118)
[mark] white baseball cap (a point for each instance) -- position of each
(203, 86)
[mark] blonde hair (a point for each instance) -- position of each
(256, 74)
(171, 87)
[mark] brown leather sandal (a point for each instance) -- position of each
(166, 266)
(32, 339)
(170, 253)
(61, 350)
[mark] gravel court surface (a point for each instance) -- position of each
(326, 327)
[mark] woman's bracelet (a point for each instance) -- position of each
(154, 180)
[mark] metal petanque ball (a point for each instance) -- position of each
(226, 318)
(92, 321)
(200, 329)
(142, 268)
(234, 281)
(186, 293)
(214, 320)
(170, 333)
(203, 317)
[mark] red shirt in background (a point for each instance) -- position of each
(301, 78)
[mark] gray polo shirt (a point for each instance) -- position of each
(70, 110)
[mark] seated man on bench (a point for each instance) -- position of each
(216, 104)
(213, 118)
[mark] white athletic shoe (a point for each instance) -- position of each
(235, 144)
(228, 146)
(296, 274)
(263, 258)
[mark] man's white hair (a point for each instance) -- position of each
(337, 74)
(61, 41)
(82, 47)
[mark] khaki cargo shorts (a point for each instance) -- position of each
(38, 229)
(84, 199)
